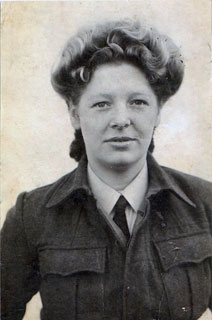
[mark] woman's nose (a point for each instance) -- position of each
(120, 119)
(120, 125)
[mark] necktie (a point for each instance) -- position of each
(120, 216)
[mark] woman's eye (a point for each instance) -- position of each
(101, 105)
(138, 102)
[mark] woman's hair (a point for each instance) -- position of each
(153, 53)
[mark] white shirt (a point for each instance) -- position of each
(107, 197)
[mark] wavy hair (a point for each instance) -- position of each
(153, 53)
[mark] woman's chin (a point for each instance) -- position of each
(122, 162)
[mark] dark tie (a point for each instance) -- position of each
(120, 216)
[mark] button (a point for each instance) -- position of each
(116, 243)
(163, 225)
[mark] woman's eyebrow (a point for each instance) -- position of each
(141, 96)
(137, 93)
(110, 96)
(101, 95)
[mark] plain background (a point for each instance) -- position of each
(36, 131)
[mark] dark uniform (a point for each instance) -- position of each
(56, 241)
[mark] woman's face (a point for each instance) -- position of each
(117, 113)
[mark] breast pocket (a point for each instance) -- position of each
(72, 282)
(186, 265)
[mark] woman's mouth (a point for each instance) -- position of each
(120, 139)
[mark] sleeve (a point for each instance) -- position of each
(20, 274)
(207, 198)
(210, 303)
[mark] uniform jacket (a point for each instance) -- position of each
(57, 242)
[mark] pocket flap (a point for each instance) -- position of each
(190, 249)
(69, 261)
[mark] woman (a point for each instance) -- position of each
(119, 237)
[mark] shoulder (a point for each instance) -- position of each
(30, 213)
(40, 196)
(194, 187)
(29, 204)
(189, 182)
(197, 189)
(194, 190)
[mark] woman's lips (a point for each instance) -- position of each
(120, 139)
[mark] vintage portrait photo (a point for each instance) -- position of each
(106, 160)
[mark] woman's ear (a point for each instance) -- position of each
(74, 116)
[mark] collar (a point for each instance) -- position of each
(107, 197)
(159, 180)
(76, 183)
(70, 185)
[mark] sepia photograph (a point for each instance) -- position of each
(106, 144)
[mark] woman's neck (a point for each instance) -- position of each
(118, 178)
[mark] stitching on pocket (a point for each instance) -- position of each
(191, 249)
(71, 261)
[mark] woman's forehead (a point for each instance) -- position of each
(110, 78)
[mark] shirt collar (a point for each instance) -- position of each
(140, 183)
(107, 197)
(76, 183)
